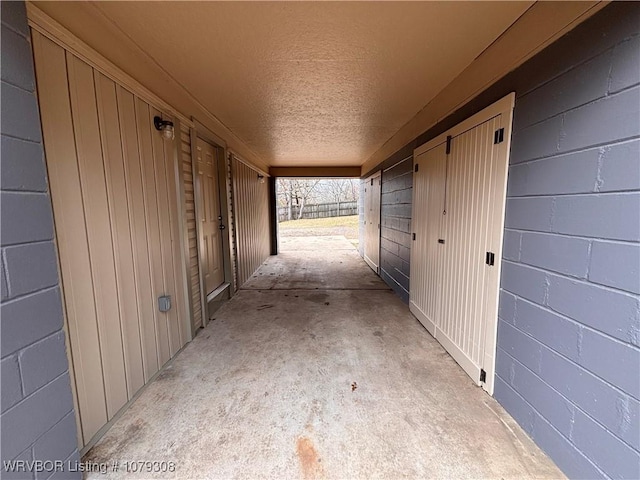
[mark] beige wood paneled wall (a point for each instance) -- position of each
(113, 186)
(192, 232)
(251, 209)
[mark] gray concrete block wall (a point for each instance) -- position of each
(37, 417)
(568, 357)
(569, 334)
(395, 226)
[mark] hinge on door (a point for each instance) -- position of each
(414, 236)
(483, 375)
(372, 181)
(448, 145)
(415, 168)
(490, 258)
(498, 136)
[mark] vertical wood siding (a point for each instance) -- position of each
(114, 192)
(189, 198)
(252, 219)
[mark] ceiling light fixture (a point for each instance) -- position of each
(164, 126)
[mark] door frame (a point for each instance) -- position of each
(199, 131)
(504, 108)
(372, 177)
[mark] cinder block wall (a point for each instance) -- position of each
(568, 362)
(395, 225)
(37, 418)
(569, 328)
(395, 219)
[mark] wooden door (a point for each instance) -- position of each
(210, 220)
(426, 253)
(459, 191)
(467, 230)
(372, 191)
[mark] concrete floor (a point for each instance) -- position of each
(317, 370)
(315, 263)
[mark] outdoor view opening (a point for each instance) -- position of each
(312, 207)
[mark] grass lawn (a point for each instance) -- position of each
(350, 221)
(318, 227)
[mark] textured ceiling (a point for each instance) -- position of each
(311, 83)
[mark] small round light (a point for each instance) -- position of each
(168, 132)
(165, 127)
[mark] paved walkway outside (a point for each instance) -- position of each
(317, 370)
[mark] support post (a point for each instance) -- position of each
(273, 215)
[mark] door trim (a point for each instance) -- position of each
(183, 234)
(224, 174)
(194, 171)
(202, 133)
(227, 236)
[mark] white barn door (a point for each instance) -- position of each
(372, 192)
(458, 220)
(428, 195)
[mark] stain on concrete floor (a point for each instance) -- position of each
(310, 462)
(269, 394)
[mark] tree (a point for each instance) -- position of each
(339, 190)
(295, 192)
(284, 195)
(302, 190)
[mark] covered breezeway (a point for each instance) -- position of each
(316, 369)
(488, 319)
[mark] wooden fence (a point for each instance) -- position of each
(320, 210)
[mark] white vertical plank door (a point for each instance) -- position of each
(372, 192)
(426, 257)
(458, 218)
